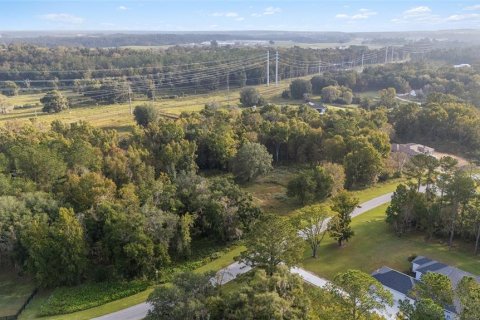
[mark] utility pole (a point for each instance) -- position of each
(363, 55)
(268, 68)
(386, 55)
(228, 87)
(319, 67)
(130, 99)
(392, 55)
(276, 69)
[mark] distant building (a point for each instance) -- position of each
(463, 65)
(412, 149)
(319, 107)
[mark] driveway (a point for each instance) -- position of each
(229, 273)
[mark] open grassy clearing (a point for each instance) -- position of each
(118, 116)
(14, 291)
(374, 245)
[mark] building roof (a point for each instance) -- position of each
(395, 280)
(454, 274)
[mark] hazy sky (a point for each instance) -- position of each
(180, 15)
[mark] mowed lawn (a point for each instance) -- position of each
(14, 291)
(374, 245)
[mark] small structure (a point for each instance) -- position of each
(462, 65)
(412, 149)
(319, 107)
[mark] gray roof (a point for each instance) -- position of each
(395, 280)
(429, 265)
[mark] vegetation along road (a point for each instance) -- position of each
(229, 273)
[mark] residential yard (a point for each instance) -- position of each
(374, 245)
(14, 291)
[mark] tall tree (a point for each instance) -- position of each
(312, 222)
(435, 286)
(272, 242)
(358, 294)
(251, 161)
(339, 226)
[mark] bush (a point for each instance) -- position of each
(71, 299)
(286, 94)
(250, 97)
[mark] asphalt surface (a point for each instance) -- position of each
(229, 273)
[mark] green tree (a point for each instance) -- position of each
(359, 295)
(303, 187)
(312, 221)
(434, 286)
(54, 102)
(362, 164)
(276, 297)
(422, 309)
(250, 97)
(9, 88)
(468, 292)
(251, 161)
(299, 88)
(272, 242)
(56, 252)
(186, 298)
(388, 98)
(145, 114)
(339, 226)
(330, 94)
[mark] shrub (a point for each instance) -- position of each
(71, 299)
(286, 94)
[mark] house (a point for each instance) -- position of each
(422, 265)
(400, 284)
(412, 149)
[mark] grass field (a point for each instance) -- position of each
(14, 291)
(374, 245)
(118, 116)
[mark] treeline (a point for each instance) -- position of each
(178, 64)
(442, 119)
(449, 207)
(424, 78)
(121, 40)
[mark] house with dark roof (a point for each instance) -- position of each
(422, 265)
(401, 284)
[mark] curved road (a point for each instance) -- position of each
(229, 273)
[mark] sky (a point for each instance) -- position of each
(216, 15)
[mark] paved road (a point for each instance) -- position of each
(229, 273)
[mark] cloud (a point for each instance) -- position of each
(419, 14)
(122, 8)
(267, 12)
(62, 18)
(463, 17)
(225, 14)
(472, 8)
(359, 15)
